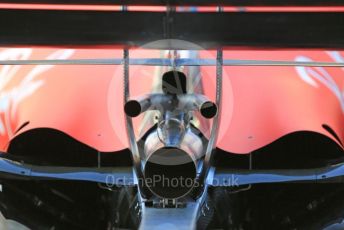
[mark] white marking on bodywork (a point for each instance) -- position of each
(10, 98)
(311, 74)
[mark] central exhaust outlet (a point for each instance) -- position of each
(170, 168)
(170, 173)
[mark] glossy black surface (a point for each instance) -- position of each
(209, 30)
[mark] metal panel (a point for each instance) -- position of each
(170, 218)
(233, 178)
(168, 62)
(115, 176)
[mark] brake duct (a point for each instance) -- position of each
(172, 150)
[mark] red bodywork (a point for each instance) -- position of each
(259, 104)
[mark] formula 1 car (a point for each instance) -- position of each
(118, 116)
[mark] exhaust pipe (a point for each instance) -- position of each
(170, 168)
(173, 180)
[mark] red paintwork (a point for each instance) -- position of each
(260, 104)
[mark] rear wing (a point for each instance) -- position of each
(210, 30)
